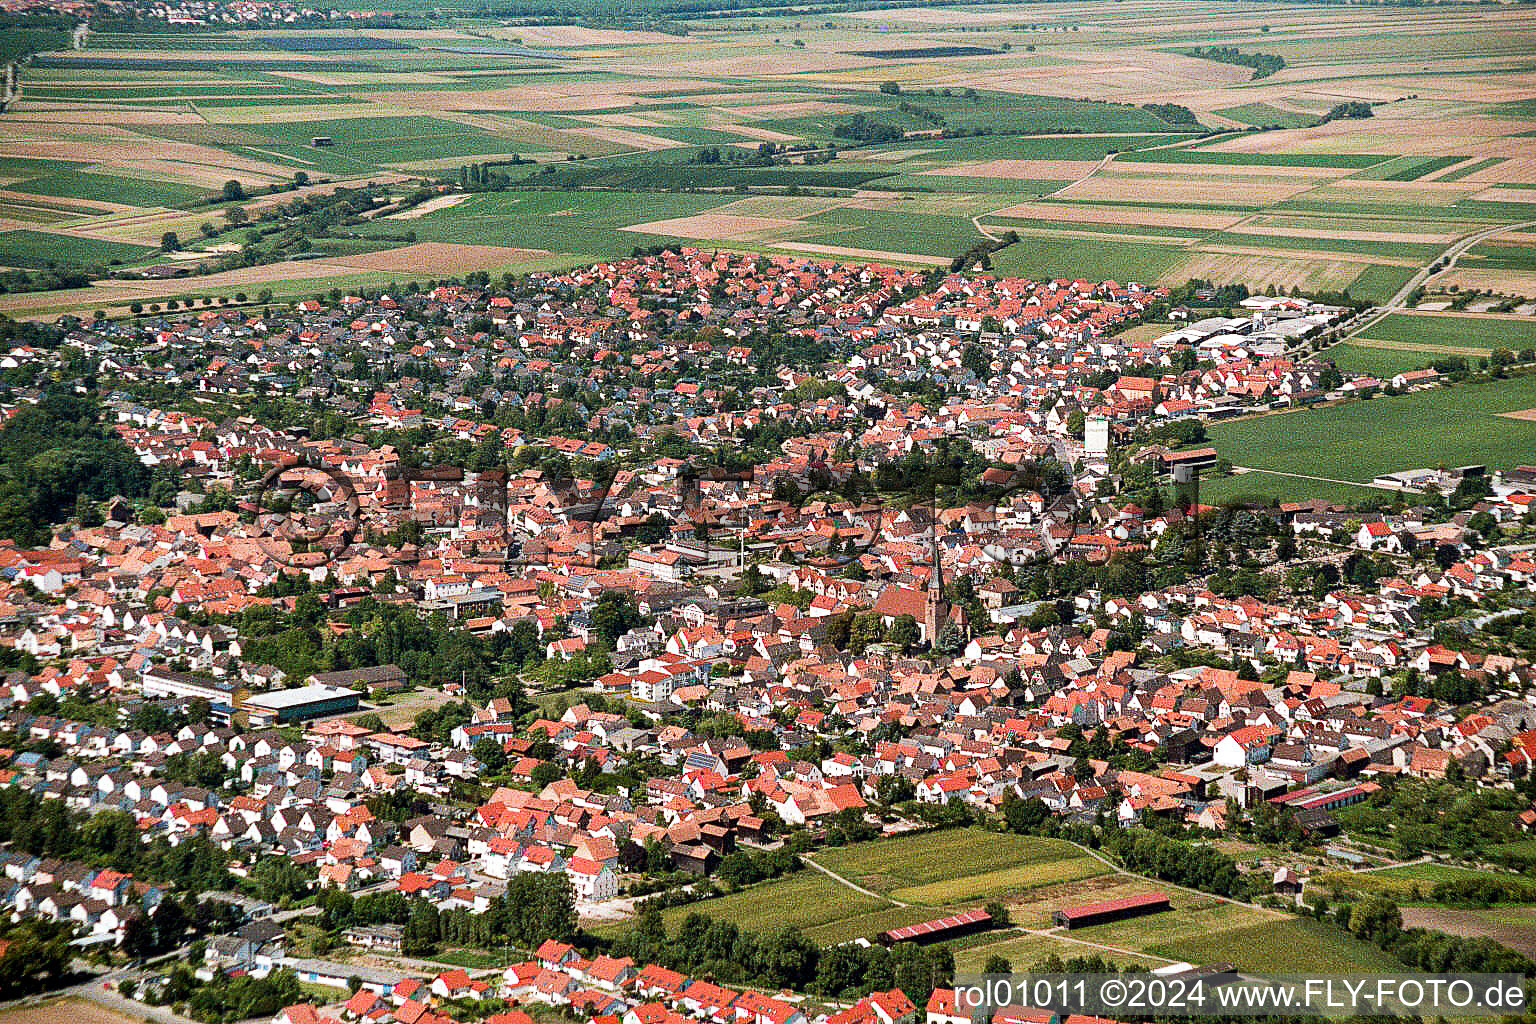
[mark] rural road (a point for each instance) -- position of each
(1303, 476)
(1105, 162)
(1172, 885)
(1449, 256)
(1388, 867)
(1044, 933)
(856, 888)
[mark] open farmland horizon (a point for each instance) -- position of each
(1124, 141)
(750, 511)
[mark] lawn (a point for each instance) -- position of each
(1358, 440)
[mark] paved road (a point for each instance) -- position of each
(1449, 256)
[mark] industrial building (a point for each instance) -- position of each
(298, 705)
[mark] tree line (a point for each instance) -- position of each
(785, 958)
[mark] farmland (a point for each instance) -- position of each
(1357, 440)
(917, 877)
(1093, 134)
(913, 878)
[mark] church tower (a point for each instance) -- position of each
(935, 607)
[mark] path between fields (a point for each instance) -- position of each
(1450, 256)
(1043, 933)
(1387, 867)
(1059, 934)
(1171, 885)
(856, 888)
(1105, 162)
(1303, 476)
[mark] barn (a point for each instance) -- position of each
(1112, 910)
(939, 929)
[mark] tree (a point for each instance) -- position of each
(951, 639)
(491, 754)
(169, 242)
(278, 879)
(1377, 919)
(904, 632)
(890, 88)
(423, 929)
(233, 192)
(545, 773)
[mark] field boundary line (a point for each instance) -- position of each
(856, 888)
(1174, 885)
(1456, 250)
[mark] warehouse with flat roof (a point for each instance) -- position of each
(298, 705)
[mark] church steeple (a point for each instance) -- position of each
(935, 607)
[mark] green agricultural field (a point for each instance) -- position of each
(1097, 258)
(1379, 282)
(1047, 85)
(581, 224)
(956, 866)
(142, 192)
(934, 873)
(1261, 488)
(1473, 168)
(1490, 255)
(27, 248)
(806, 900)
(1293, 944)
(1357, 440)
(1025, 951)
(1262, 115)
(1472, 331)
(1383, 363)
(1408, 883)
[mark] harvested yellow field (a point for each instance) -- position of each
(1500, 281)
(1195, 191)
(1259, 272)
(876, 255)
(1120, 215)
(721, 225)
